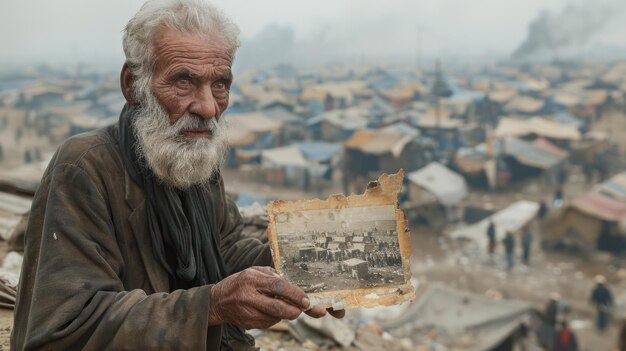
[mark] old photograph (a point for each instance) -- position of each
(341, 248)
(353, 246)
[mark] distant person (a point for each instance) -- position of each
(565, 339)
(552, 309)
(527, 240)
(491, 237)
(602, 299)
(546, 334)
(558, 197)
(543, 210)
(509, 247)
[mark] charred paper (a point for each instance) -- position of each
(345, 251)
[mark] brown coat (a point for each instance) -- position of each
(90, 280)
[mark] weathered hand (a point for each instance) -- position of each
(255, 298)
(318, 312)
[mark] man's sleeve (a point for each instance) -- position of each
(240, 252)
(71, 296)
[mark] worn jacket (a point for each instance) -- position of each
(90, 280)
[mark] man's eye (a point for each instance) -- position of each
(184, 82)
(220, 85)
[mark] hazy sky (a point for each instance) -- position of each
(88, 30)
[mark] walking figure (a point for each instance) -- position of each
(509, 247)
(602, 299)
(491, 237)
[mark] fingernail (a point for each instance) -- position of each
(306, 302)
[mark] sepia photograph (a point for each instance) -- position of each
(345, 251)
(340, 249)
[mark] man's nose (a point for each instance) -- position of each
(204, 104)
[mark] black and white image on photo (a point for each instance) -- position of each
(340, 249)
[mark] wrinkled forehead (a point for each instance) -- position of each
(172, 45)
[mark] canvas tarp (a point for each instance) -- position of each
(378, 142)
(524, 104)
(512, 218)
(614, 187)
(518, 127)
(602, 207)
(290, 156)
(448, 186)
(468, 321)
(255, 122)
(528, 154)
(320, 151)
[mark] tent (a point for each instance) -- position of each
(512, 218)
(448, 187)
(463, 320)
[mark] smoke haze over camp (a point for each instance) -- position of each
(313, 33)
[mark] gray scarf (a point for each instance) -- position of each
(182, 224)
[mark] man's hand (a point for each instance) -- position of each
(256, 298)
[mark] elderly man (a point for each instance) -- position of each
(131, 243)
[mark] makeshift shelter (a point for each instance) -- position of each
(338, 125)
(525, 159)
(356, 267)
(249, 134)
(524, 105)
(320, 152)
(522, 127)
(371, 152)
(435, 193)
(592, 221)
(510, 219)
(461, 321)
(306, 253)
(291, 161)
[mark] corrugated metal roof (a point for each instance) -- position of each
(600, 206)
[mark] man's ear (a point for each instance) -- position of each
(126, 83)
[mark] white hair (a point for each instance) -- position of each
(188, 16)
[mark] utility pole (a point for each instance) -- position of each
(438, 89)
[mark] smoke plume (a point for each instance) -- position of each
(574, 26)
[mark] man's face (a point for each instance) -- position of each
(192, 75)
(179, 130)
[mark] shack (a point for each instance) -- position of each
(435, 194)
(356, 267)
(593, 221)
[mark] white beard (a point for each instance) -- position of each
(178, 160)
